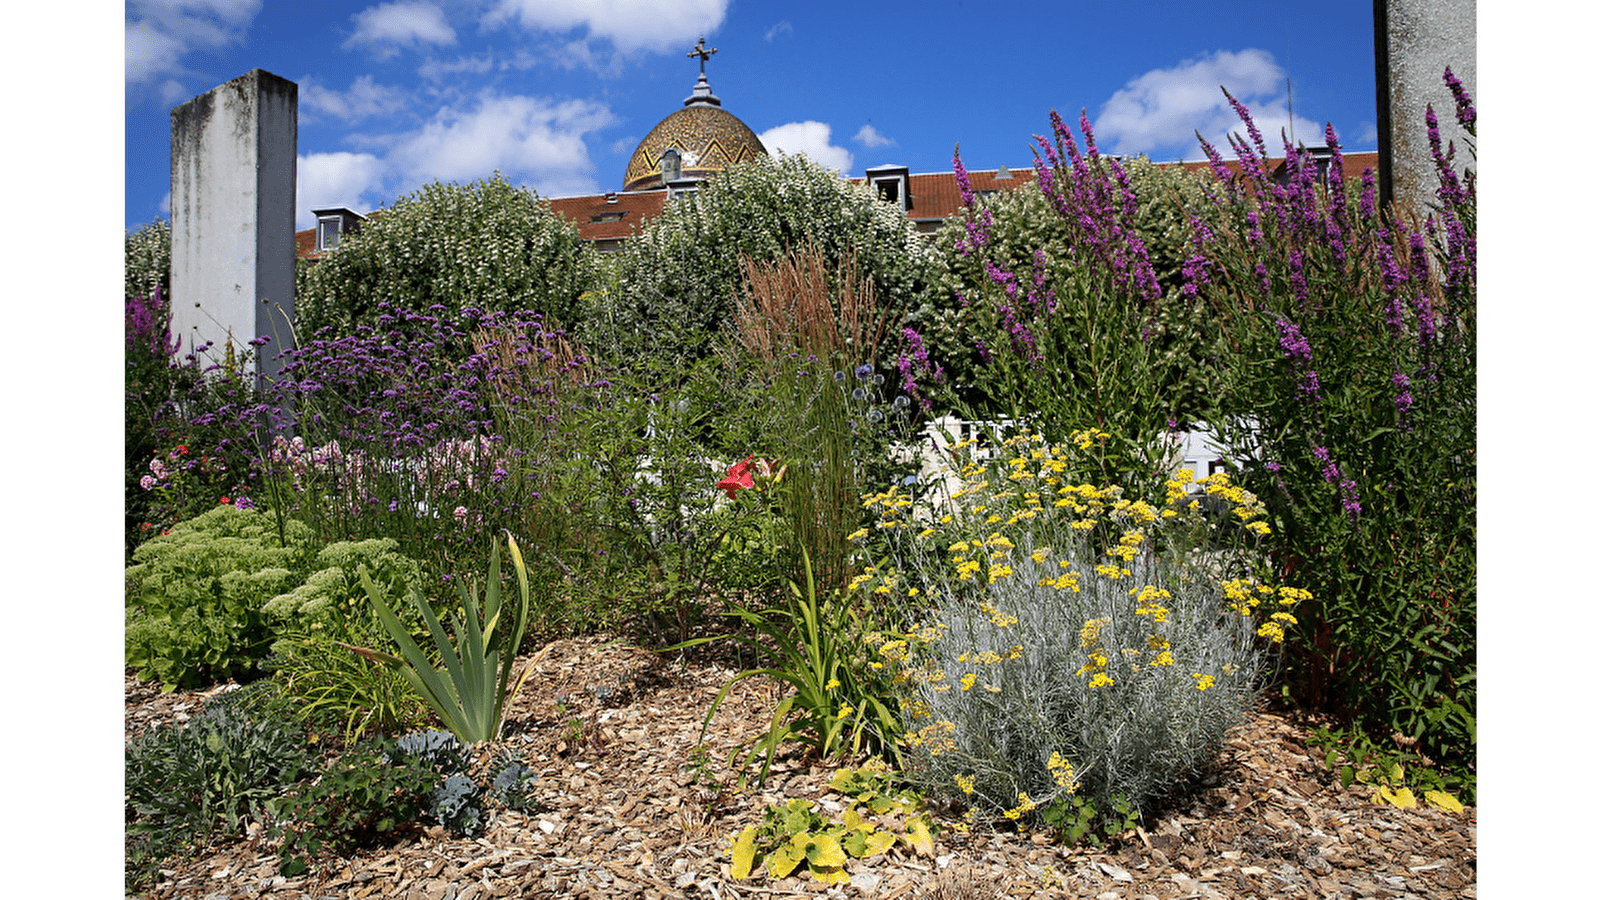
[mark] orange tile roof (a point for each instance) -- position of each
(935, 196)
(615, 216)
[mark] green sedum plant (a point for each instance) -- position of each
(329, 687)
(470, 687)
(196, 597)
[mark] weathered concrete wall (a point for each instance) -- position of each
(1414, 41)
(233, 182)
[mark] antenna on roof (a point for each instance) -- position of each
(1288, 65)
(1290, 82)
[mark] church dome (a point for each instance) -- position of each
(707, 137)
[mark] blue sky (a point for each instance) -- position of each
(556, 95)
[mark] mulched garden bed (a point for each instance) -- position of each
(629, 810)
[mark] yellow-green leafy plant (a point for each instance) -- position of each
(795, 836)
(1042, 662)
(470, 687)
(1399, 776)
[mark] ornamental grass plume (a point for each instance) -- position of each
(1067, 640)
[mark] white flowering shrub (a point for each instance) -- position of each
(1067, 641)
(487, 244)
(147, 260)
(677, 280)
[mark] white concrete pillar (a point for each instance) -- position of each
(233, 182)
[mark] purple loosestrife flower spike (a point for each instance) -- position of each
(1465, 113)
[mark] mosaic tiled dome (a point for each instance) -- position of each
(709, 137)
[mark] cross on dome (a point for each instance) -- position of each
(704, 54)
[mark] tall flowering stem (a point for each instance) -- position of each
(1074, 333)
(1349, 408)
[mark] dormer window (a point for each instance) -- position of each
(892, 184)
(671, 165)
(333, 223)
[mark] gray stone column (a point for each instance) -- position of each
(1413, 42)
(233, 184)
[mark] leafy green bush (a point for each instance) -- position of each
(221, 770)
(196, 597)
(486, 244)
(1350, 408)
(679, 280)
(1038, 664)
(1074, 333)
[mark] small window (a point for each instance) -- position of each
(332, 224)
(328, 230)
(889, 191)
(608, 217)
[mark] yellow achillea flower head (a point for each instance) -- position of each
(1063, 772)
(1090, 633)
(968, 680)
(965, 783)
(1201, 681)
(1101, 680)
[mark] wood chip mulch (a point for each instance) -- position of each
(625, 811)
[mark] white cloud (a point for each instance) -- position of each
(533, 138)
(1159, 112)
(353, 180)
(157, 34)
(437, 70)
(781, 28)
(628, 24)
(390, 27)
(812, 140)
(870, 136)
(365, 99)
